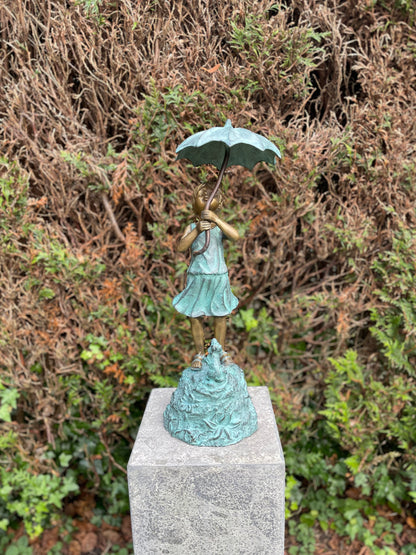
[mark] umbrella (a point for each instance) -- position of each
(224, 147)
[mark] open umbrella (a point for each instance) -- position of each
(224, 147)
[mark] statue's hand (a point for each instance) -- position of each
(203, 225)
(209, 215)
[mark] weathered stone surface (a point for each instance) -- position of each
(194, 500)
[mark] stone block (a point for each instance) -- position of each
(192, 500)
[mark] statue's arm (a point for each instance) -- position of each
(187, 238)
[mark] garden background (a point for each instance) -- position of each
(96, 95)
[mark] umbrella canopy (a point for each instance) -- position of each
(224, 147)
(244, 147)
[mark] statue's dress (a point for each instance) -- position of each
(207, 291)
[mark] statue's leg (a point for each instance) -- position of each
(220, 328)
(197, 331)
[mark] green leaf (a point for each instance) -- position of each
(64, 459)
(248, 318)
(353, 463)
(8, 397)
(46, 293)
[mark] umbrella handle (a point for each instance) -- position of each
(211, 198)
(206, 245)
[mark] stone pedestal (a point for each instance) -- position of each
(192, 500)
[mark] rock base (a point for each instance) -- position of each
(211, 406)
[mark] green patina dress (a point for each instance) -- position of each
(207, 291)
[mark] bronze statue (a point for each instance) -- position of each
(207, 292)
(211, 405)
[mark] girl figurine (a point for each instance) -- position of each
(207, 291)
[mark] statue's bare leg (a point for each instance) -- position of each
(197, 331)
(220, 328)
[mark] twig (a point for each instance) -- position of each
(112, 217)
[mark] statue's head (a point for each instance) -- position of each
(200, 197)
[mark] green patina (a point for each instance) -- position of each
(211, 406)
